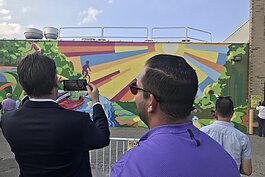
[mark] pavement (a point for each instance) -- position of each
(9, 167)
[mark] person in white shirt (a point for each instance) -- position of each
(261, 118)
(235, 142)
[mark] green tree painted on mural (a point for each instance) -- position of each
(230, 82)
(236, 50)
(237, 70)
(64, 68)
(11, 51)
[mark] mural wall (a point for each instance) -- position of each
(112, 66)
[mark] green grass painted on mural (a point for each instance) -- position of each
(129, 106)
(141, 124)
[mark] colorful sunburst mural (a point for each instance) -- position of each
(112, 66)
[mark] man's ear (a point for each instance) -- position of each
(152, 104)
(55, 81)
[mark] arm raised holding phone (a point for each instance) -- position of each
(100, 127)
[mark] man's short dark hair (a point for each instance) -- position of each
(224, 107)
(36, 74)
(173, 81)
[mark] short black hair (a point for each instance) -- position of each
(224, 107)
(173, 81)
(36, 73)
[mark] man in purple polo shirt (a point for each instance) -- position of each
(8, 104)
(173, 147)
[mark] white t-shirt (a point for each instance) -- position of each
(261, 110)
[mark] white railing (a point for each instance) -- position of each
(183, 33)
(158, 34)
(119, 33)
(83, 33)
(101, 160)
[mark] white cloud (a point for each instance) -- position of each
(89, 16)
(6, 18)
(24, 10)
(4, 12)
(2, 2)
(110, 1)
(10, 30)
(31, 26)
(5, 15)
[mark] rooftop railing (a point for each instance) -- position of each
(158, 34)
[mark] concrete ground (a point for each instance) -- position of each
(9, 167)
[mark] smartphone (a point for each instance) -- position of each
(75, 85)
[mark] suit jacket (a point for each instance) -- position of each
(50, 141)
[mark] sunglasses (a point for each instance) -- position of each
(134, 90)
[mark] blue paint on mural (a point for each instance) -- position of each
(210, 48)
(110, 57)
(205, 83)
(221, 58)
(2, 78)
(208, 71)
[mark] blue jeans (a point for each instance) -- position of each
(261, 126)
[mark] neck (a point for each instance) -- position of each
(224, 119)
(44, 97)
(52, 96)
(159, 120)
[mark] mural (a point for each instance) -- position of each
(113, 66)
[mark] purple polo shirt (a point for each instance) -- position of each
(8, 104)
(176, 151)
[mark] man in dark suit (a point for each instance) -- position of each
(48, 140)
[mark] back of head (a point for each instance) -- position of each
(9, 95)
(174, 82)
(224, 107)
(263, 103)
(36, 74)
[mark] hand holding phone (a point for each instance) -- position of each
(75, 85)
(93, 92)
(82, 85)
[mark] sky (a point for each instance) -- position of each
(219, 17)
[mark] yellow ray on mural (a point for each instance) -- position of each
(129, 48)
(207, 55)
(133, 67)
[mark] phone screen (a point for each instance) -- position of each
(74, 85)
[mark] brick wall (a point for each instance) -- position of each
(257, 48)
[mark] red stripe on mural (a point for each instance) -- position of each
(84, 43)
(127, 96)
(214, 66)
(7, 67)
(88, 43)
(7, 85)
(105, 77)
(75, 54)
(119, 96)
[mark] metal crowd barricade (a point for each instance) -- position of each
(101, 160)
